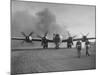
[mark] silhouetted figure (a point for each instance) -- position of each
(87, 47)
(56, 40)
(79, 47)
(69, 44)
(44, 42)
(54, 36)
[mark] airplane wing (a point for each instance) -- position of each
(91, 38)
(50, 40)
(39, 40)
(65, 40)
(81, 39)
(77, 39)
(18, 38)
(36, 40)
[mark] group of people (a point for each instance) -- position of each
(44, 43)
(79, 48)
(56, 40)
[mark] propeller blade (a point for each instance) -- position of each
(23, 34)
(31, 33)
(39, 36)
(69, 34)
(82, 34)
(74, 36)
(45, 34)
(87, 34)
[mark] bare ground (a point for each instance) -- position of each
(50, 60)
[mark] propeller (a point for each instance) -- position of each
(82, 34)
(23, 34)
(84, 37)
(39, 36)
(74, 36)
(87, 34)
(31, 33)
(26, 37)
(43, 36)
(69, 34)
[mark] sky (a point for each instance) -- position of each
(55, 18)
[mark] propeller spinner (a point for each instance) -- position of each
(28, 38)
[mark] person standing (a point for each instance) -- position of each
(44, 42)
(87, 47)
(79, 47)
(57, 40)
(69, 44)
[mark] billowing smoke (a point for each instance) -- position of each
(42, 22)
(46, 19)
(22, 21)
(47, 22)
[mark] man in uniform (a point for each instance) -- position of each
(69, 44)
(78, 46)
(87, 47)
(56, 40)
(44, 42)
